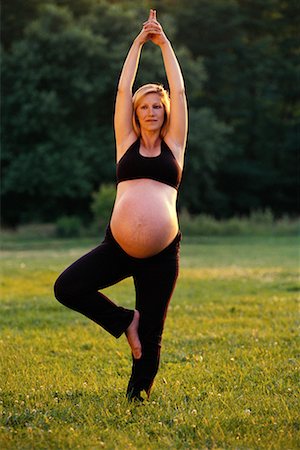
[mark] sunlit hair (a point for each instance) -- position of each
(165, 99)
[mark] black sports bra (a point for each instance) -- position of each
(163, 168)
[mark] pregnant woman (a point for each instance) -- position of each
(142, 240)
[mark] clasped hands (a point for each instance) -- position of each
(152, 31)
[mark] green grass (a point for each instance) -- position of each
(230, 361)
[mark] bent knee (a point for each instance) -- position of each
(62, 290)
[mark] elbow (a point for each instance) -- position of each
(124, 88)
(178, 91)
(177, 86)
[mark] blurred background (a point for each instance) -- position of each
(61, 61)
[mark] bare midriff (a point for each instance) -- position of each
(144, 219)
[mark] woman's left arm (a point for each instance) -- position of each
(177, 132)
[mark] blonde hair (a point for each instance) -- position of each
(152, 88)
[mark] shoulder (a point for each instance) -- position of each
(126, 144)
(177, 149)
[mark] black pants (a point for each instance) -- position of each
(154, 279)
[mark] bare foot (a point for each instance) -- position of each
(133, 337)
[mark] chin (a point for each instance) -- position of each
(153, 127)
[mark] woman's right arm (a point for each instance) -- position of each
(124, 132)
(123, 107)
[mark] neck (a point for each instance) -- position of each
(150, 140)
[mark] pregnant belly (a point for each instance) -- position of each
(144, 223)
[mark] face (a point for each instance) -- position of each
(151, 112)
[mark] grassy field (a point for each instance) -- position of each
(230, 362)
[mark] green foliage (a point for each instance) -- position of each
(61, 61)
(249, 51)
(15, 16)
(259, 223)
(55, 137)
(68, 226)
(102, 204)
(207, 147)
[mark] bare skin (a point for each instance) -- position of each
(133, 337)
(153, 219)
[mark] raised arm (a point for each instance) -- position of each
(177, 133)
(124, 132)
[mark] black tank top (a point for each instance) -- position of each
(163, 168)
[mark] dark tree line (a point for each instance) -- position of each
(60, 66)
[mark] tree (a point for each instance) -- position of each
(16, 16)
(59, 83)
(54, 83)
(209, 144)
(249, 51)
(61, 61)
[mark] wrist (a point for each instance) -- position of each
(165, 43)
(138, 41)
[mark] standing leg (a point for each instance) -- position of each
(77, 287)
(155, 279)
